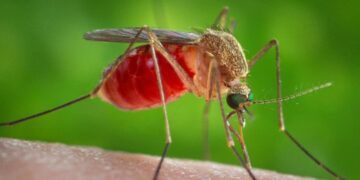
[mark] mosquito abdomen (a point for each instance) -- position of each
(133, 84)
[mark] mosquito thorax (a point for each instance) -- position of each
(227, 51)
(239, 95)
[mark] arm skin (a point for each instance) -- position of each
(21, 159)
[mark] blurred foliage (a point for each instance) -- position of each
(44, 62)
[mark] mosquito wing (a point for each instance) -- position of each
(128, 35)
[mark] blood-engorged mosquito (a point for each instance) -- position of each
(208, 64)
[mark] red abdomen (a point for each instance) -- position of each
(133, 85)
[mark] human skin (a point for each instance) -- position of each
(28, 160)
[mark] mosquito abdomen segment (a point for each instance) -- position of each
(133, 84)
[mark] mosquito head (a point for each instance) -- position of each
(239, 96)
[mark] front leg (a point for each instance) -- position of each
(215, 79)
(258, 56)
(266, 48)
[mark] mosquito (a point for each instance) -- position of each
(169, 64)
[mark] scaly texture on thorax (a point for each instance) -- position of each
(228, 53)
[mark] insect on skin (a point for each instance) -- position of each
(208, 64)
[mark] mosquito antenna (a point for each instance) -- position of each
(296, 95)
(9, 123)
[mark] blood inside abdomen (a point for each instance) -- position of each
(134, 86)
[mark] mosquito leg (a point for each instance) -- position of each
(162, 95)
(274, 43)
(13, 122)
(88, 96)
(232, 27)
(206, 152)
(240, 135)
(155, 44)
(117, 63)
(220, 22)
(210, 88)
(242, 141)
(216, 77)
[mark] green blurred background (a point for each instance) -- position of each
(44, 62)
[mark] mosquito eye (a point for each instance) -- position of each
(234, 100)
